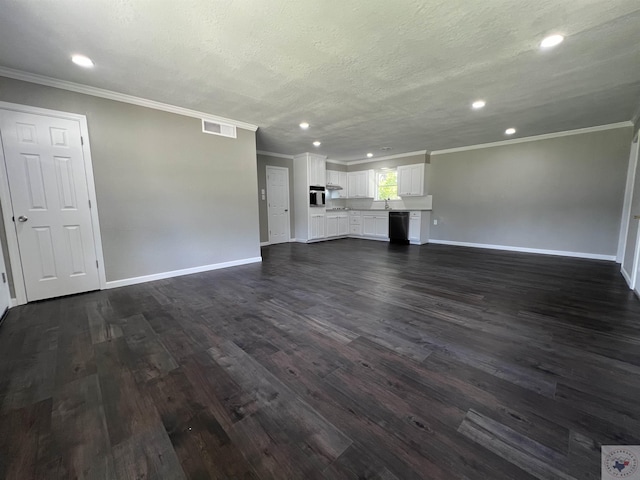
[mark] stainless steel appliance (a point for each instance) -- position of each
(399, 227)
(316, 196)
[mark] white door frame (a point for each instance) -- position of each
(7, 207)
(266, 175)
(628, 194)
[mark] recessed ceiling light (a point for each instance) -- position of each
(478, 104)
(551, 41)
(510, 131)
(81, 60)
(369, 155)
(304, 125)
(317, 143)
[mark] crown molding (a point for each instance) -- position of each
(534, 138)
(119, 97)
(337, 162)
(273, 154)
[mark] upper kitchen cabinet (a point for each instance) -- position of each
(337, 181)
(411, 180)
(317, 170)
(361, 184)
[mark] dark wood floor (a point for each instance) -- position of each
(345, 359)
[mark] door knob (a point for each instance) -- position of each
(286, 209)
(22, 218)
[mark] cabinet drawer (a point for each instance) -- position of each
(415, 214)
(355, 220)
(355, 230)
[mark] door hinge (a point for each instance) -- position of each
(4, 278)
(13, 219)
(89, 203)
(97, 264)
(81, 140)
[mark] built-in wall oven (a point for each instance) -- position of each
(316, 196)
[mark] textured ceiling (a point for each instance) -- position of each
(364, 73)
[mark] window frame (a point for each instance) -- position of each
(380, 172)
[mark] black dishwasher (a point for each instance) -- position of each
(399, 227)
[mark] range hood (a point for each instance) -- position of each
(334, 187)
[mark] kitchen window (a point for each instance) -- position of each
(387, 184)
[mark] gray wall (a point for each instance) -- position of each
(564, 193)
(169, 197)
(336, 167)
(263, 161)
(390, 163)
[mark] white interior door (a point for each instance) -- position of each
(5, 296)
(50, 199)
(278, 204)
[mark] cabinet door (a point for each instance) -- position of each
(352, 180)
(322, 171)
(369, 225)
(343, 225)
(417, 179)
(414, 229)
(362, 184)
(404, 180)
(382, 227)
(342, 181)
(321, 227)
(332, 225)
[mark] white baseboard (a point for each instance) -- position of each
(14, 303)
(177, 273)
(265, 244)
(626, 276)
(561, 253)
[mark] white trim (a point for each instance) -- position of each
(264, 244)
(292, 240)
(626, 277)
(628, 198)
(272, 154)
(636, 261)
(119, 97)
(14, 303)
(7, 206)
(561, 253)
(337, 162)
(388, 157)
(177, 273)
(533, 138)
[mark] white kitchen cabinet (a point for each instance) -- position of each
(343, 224)
(419, 223)
(355, 223)
(375, 224)
(361, 184)
(369, 225)
(342, 181)
(411, 180)
(337, 224)
(332, 225)
(317, 226)
(332, 178)
(317, 171)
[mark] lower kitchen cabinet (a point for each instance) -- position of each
(419, 223)
(317, 226)
(337, 225)
(375, 225)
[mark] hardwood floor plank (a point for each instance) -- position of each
(80, 445)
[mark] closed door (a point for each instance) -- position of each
(278, 204)
(50, 198)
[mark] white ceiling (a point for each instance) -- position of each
(364, 73)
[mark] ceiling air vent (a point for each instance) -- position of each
(216, 128)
